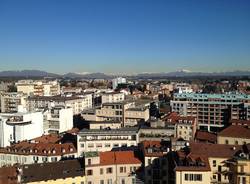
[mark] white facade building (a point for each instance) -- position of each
(38, 87)
(117, 81)
(106, 139)
(112, 97)
(16, 127)
(77, 103)
(58, 119)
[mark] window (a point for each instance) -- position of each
(226, 141)
(91, 145)
(101, 181)
(107, 145)
(115, 145)
(123, 181)
(109, 181)
(236, 142)
(109, 170)
(89, 172)
(82, 182)
(89, 182)
(89, 161)
(214, 163)
(101, 171)
(193, 177)
(149, 161)
(121, 169)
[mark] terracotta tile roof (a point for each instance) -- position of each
(50, 138)
(118, 157)
(205, 136)
(174, 118)
(46, 149)
(235, 131)
(8, 175)
(195, 162)
(153, 148)
(213, 150)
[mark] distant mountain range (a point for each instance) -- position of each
(181, 73)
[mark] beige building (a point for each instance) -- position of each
(10, 101)
(119, 167)
(234, 135)
(38, 87)
(126, 112)
(104, 125)
(112, 97)
(239, 166)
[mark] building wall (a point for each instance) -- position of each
(180, 177)
(75, 180)
(232, 140)
(97, 125)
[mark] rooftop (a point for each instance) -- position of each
(120, 131)
(205, 136)
(235, 131)
(214, 96)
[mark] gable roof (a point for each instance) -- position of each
(235, 131)
(118, 157)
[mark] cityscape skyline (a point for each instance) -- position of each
(125, 36)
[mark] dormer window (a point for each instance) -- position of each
(53, 151)
(63, 150)
(35, 150)
(31, 150)
(71, 149)
(44, 151)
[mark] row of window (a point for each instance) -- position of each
(109, 170)
(193, 177)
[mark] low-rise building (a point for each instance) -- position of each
(111, 167)
(68, 171)
(29, 152)
(234, 135)
(106, 139)
(112, 97)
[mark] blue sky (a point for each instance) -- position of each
(125, 36)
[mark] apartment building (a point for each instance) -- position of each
(185, 126)
(38, 87)
(112, 97)
(154, 160)
(20, 126)
(67, 171)
(29, 152)
(204, 163)
(58, 119)
(10, 101)
(118, 167)
(239, 166)
(77, 103)
(126, 112)
(213, 111)
(106, 139)
(183, 88)
(234, 135)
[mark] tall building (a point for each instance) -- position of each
(11, 100)
(19, 126)
(117, 81)
(212, 111)
(38, 87)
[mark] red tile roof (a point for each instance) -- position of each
(205, 136)
(235, 131)
(46, 149)
(174, 118)
(213, 150)
(155, 147)
(8, 175)
(118, 157)
(50, 138)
